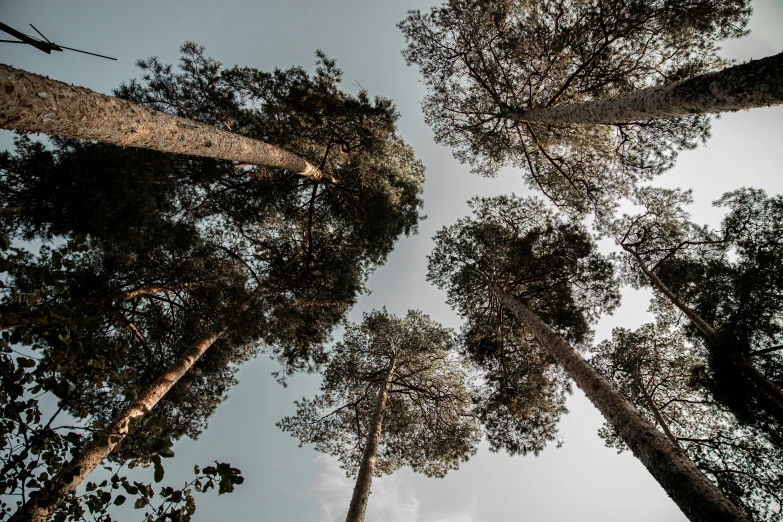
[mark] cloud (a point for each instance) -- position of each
(393, 499)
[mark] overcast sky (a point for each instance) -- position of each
(583, 480)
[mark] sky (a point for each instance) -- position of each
(583, 480)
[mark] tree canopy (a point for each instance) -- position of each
(486, 61)
(549, 263)
(426, 422)
(169, 246)
(655, 368)
(393, 395)
(727, 279)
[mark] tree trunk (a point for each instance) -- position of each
(38, 508)
(698, 498)
(707, 330)
(32, 103)
(765, 350)
(767, 387)
(361, 490)
(758, 83)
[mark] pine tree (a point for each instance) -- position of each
(498, 70)
(294, 252)
(516, 258)
(725, 282)
(35, 445)
(393, 395)
(655, 369)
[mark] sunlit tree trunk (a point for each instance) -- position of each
(769, 388)
(32, 103)
(698, 498)
(758, 83)
(361, 490)
(41, 506)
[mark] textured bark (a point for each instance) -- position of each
(32, 103)
(698, 498)
(361, 490)
(758, 83)
(767, 387)
(38, 508)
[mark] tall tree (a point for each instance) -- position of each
(393, 395)
(726, 283)
(306, 248)
(497, 69)
(753, 84)
(518, 258)
(34, 103)
(655, 369)
(36, 444)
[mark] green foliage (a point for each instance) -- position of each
(426, 422)
(549, 263)
(552, 266)
(35, 450)
(729, 277)
(173, 504)
(656, 370)
(159, 248)
(484, 60)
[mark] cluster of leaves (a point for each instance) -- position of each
(522, 393)
(174, 504)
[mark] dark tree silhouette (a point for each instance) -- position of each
(655, 369)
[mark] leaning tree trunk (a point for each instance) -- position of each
(361, 490)
(767, 387)
(32, 103)
(758, 83)
(39, 507)
(696, 496)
